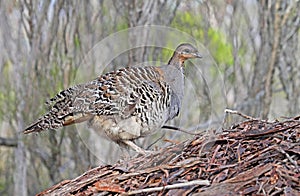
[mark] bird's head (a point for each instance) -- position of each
(185, 51)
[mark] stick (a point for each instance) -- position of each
(173, 186)
(242, 115)
(288, 157)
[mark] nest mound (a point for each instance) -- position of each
(252, 157)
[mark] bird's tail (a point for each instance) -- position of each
(48, 121)
(62, 112)
(53, 121)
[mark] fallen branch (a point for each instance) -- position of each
(289, 158)
(242, 115)
(173, 186)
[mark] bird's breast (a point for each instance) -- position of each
(118, 129)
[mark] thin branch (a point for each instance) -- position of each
(8, 142)
(288, 157)
(173, 186)
(242, 115)
(273, 59)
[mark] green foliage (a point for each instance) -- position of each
(190, 23)
(242, 52)
(165, 55)
(122, 24)
(214, 40)
(2, 185)
(113, 23)
(56, 81)
(77, 41)
(7, 93)
(7, 68)
(60, 76)
(1, 105)
(220, 49)
(185, 22)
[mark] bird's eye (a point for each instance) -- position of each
(186, 51)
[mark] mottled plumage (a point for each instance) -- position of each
(125, 104)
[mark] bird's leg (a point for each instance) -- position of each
(136, 147)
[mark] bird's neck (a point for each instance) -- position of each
(174, 75)
(177, 61)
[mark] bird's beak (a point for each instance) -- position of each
(197, 55)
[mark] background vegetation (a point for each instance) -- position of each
(251, 54)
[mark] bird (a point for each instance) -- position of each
(126, 104)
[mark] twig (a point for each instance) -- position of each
(242, 115)
(173, 186)
(288, 157)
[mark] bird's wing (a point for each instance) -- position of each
(121, 92)
(128, 92)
